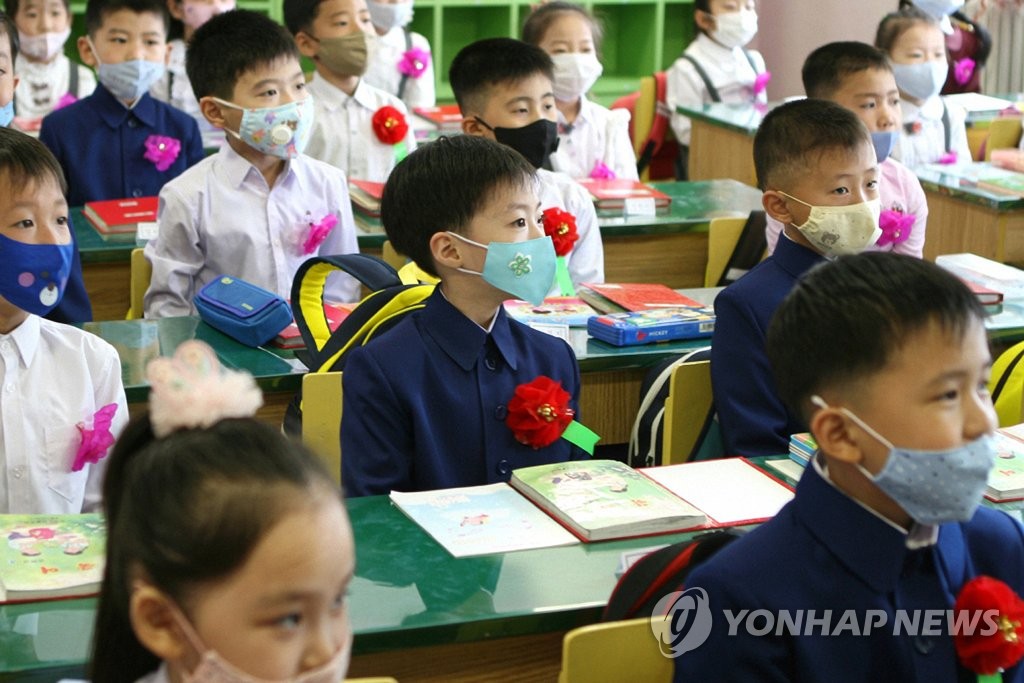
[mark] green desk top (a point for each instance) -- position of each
(959, 181)
(739, 118)
(407, 591)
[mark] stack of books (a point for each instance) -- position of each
(991, 281)
(117, 220)
(802, 448)
(619, 196)
(638, 313)
(440, 120)
(366, 196)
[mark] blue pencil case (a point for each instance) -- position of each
(248, 314)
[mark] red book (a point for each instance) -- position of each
(444, 117)
(120, 216)
(366, 196)
(986, 296)
(289, 337)
(612, 194)
(616, 298)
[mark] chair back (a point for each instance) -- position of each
(687, 409)
(1003, 132)
(321, 418)
(141, 274)
(391, 257)
(612, 652)
(723, 235)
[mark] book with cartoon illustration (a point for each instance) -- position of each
(481, 520)
(605, 499)
(559, 310)
(654, 325)
(1006, 480)
(50, 556)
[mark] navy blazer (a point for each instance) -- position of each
(825, 551)
(425, 404)
(754, 421)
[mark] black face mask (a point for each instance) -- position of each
(536, 141)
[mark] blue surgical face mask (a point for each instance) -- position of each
(128, 81)
(883, 142)
(526, 270)
(34, 275)
(933, 487)
(922, 80)
(281, 131)
(7, 114)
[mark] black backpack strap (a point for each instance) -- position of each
(405, 76)
(947, 128)
(749, 249)
(73, 79)
(712, 91)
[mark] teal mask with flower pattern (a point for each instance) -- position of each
(526, 270)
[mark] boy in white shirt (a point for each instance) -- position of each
(358, 128)
(504, 90)
(61, 399)
(259, 207)
(401, 63)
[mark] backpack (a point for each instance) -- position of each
(659, 151)
(1006, 385)
(645, 440)
(662, 572)
(749, 249)
(389, 301)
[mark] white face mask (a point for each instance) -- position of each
(575, 74)
(735, 29)
(386, 15)
(44, 47)
(922, 80)
(839, 230)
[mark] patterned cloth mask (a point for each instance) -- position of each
(34, 275)
(281, 131)
(526, 270)
(838, 230)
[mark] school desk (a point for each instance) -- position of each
(722, 140)
(670, 248)
(418, 614)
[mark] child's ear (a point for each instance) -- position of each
(85, 52)
(830, 428)
(307, 46)
(471, 126)
(444, 250)
(153, 621)
(212, 112)
(176, 8)
(705, 20)
(775, 206)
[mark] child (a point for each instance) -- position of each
(356, 127)
(968, 43)
(62, 401)
(819, 173)
(933, 132)
(229, 551)
(258, 207)
(504, 90)
(107, 142)
(859, 77)
(715, 67)
(425, 404)
(593, 140)
(173, 87)
(48, 79)
(401, 63)
(887, 360)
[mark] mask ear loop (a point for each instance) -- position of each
(820, 403)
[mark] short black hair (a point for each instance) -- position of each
(441, 186)
(98, 10)
(845, 320)
(895, 24)
(489, 62)
(228, 45)
(827, 67)
(539, 21)
(8, 27)
(299, 15)
(793, 132)
(24, 161)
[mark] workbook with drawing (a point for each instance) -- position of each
(50, 556)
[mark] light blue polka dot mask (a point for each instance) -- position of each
(34, 276)
(933, 487)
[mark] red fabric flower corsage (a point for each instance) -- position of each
(539, 412)
(318, 232)
(913, 128)
(162, 151)
(97, 440)
(414, 62)
(895, 226)
(560, 226)
(390, 125)
(761, 82)
(997, 642)
(963, 69)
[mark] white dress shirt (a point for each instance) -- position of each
(597, 134)
(220, 218)
(382, 71)
(729, 71)
(53, 377)
(586, 260)
(42, 85)
(343, 130)
(927, 145)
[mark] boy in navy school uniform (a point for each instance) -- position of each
(819, 173)
(425, 404)
(105, 142)
(886, 357)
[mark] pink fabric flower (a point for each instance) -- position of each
(948, 158)
(963, 69)
(896, 226)
(414, 62)
(318, 232)
(162, 151)
(97, 440)
(761, 82)
(66, 99)
(602, 172)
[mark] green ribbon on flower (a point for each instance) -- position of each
(585, 438)
(990, 678)
(401, 151)
(565, 287)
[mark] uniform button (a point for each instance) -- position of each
(9, 388)
(136, 192)
(500, 412)
(5, 345)
(132, 123)
(18, 471)
(924, 644)
(504, 467)
(491, 363)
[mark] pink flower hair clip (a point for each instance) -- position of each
(414, 62)
(192, 390)
(96, 440)
(162, 151)
(318, 232)
(761, 82)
